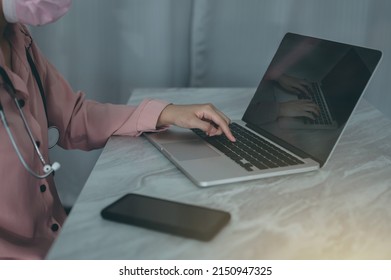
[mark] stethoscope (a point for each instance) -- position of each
(53, 132)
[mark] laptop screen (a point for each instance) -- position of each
(308, 93)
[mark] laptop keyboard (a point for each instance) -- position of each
(250, 151)
(316, 97)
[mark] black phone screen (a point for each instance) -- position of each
(167, 216)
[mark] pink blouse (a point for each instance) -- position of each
(31, 214)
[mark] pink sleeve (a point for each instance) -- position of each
(143, 118)
(86, 124)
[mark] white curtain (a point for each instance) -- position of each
(106, 48)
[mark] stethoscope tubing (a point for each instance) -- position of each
(47, 168)
(25, 165)
(29, 132)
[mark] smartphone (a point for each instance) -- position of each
(167, 216)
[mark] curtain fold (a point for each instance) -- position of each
(234, 40)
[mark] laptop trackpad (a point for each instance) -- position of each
(190, 150)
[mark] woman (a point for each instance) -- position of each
(31, 214)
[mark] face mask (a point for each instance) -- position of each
(35, 12)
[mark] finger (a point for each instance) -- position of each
(304, 89)
(222, 127)
(314, 108)
(223, 116)
(214, 130)
(210, 128)
(308, 115)
(221, 121)
(310, 109)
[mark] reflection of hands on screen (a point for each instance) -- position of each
(298, 108)
(294, 85)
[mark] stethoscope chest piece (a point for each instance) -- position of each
(53, 136)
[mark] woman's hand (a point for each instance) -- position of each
(203, 116)
(299, 108)
(294, 85)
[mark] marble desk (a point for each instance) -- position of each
(342, 211)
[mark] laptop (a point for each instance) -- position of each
(273, 138)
